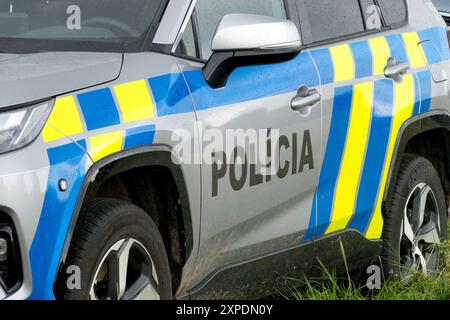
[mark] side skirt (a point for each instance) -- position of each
(267, 275)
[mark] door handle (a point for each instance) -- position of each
(305, 100)
(395, 70)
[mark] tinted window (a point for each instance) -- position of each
(327, 19)
(442, 5)
(210, 12)
(394, 11)
(187, 42)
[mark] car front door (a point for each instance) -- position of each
(247, 212)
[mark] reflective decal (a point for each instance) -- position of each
(417, 57)
(381, 52)
(403, 109)
(99, 109)
(344, 65)
(63, 121)
(104, 145)
(135, 101)
(354, 156)
(69, 162)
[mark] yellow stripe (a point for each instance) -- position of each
(403, 109)
(415, 51)
(344, 65)
(135, 101)
(65, 118)
(380, 53)
(105, 144)
(354, 155)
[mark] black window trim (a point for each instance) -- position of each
(360, 34)
(193, 20)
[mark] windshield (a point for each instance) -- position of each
(76, 25)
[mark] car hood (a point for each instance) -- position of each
(25, 78)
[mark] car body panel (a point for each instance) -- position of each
(265, 213)
(32, 77)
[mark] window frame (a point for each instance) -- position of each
(358, 34)
(193, 20)
(291, 14)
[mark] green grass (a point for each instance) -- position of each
(417, 287)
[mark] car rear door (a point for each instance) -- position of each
(370, 87)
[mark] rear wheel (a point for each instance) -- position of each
(416, 221)
(120, 254)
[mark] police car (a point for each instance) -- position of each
(352, 99)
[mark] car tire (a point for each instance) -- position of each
(415, 221)
(120, 255)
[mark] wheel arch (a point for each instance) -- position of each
(143, 157)
(412, 130)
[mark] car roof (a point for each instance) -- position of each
(442, 5)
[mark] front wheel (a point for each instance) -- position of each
(120, 254)
(415, 222)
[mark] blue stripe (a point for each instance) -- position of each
(140, 136)
(171, 94)
(324, 63)
(425, 90)
(99, 109)
(363, 59)
(68, 162)
(438, 49)
(397, 48)
(254, 82)
(262, 81)
(332, 161)
(375, 155)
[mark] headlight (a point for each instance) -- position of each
(21, 126)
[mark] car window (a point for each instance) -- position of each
(442, 5)
(327, 19)
(210, 12)
(394, 11)
(186, 47)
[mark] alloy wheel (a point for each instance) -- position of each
(420, 232)
(126, 272)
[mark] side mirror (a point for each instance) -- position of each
(246, 39)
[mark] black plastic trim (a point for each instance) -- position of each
(263, 276)
(8, 231)
(221, 64)
(436, 119)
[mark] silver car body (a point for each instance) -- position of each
(94, 122)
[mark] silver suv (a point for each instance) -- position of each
(156, 149)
